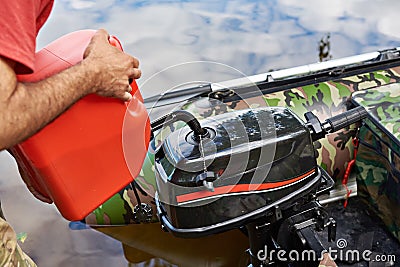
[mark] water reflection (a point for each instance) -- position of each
(251, 36)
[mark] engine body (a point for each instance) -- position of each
(252, 160)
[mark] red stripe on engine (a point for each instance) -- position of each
(238, 188)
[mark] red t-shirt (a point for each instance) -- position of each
(20, 22)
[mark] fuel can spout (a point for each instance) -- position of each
(345, 119)
(185, 116)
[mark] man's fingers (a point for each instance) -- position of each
(123, 68)
(127, 97)
(135, 62)
(135, 73)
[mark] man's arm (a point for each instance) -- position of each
(27, 107)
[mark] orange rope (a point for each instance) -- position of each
(348, 171)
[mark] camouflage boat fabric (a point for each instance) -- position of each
(378, 158)
(324, 99)
(383, 105)
(11, 253)
(119, 209)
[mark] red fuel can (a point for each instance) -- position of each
(78, 159)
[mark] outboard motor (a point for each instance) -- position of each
(253, 169)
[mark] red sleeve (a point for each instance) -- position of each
(19, 21)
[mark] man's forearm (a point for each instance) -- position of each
(27, 107)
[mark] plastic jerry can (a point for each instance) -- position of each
(78, 159)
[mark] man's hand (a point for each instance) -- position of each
(113, 67)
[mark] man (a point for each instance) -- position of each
(25, 108)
